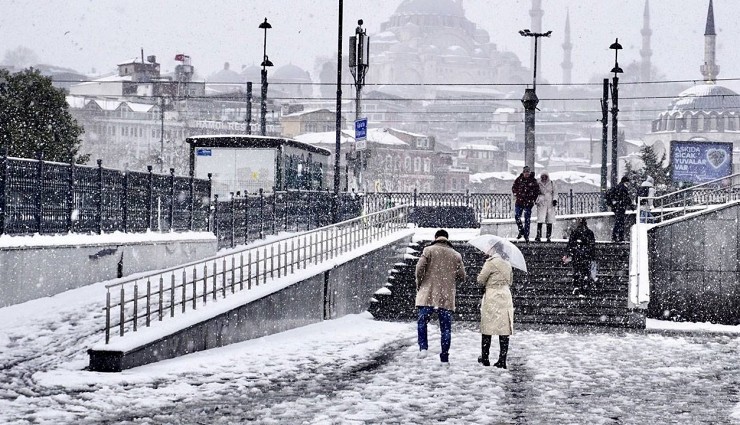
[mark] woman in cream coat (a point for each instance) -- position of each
(497, 308)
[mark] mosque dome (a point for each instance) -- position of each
(251, 73)
(706, 98)
(431, 7)
(226, 76)
(291, 73)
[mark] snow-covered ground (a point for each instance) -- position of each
(355, 370)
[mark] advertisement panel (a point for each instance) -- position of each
(236, 169)
(699, 162)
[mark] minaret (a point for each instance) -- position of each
(536, 26)
(646, 53)
(710, 69)
(567, 65)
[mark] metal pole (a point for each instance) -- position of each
(615, 128)
(604, 139)
(534, 78)
(530, 102)
(249, 107)
(263, 104)
(337, 146)
(161, 137)
(265, 63)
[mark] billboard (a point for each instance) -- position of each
(236, 169)
(699, 162)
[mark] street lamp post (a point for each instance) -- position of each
(265, 63)
(530, 102)
(615, 110)
(337, 146)
(359, 56)
(604, 140)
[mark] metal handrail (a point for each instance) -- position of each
(157, 295)
(680, 202)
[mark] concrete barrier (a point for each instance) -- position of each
(40, 269)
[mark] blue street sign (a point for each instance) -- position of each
(361, 129)
(202, 152)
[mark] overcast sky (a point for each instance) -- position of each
(99, 34)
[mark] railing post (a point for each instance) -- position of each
(172, 199)
(39, 190)
(285, 210)
(233, 220)
(3, 189)
(70, 196)
(215, 217)
(125, 201)
(467, 197)
(191, 203)
(262, 214)
(570, 198)
(274, 212)
(99, 214)
(246, 217)
(210, 194)
(415, 194)
(150, 200)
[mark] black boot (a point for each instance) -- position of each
(539, 233)
(549, 231)
(503, 341)
(485, 349)
(520, 226)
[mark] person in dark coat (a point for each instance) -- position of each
(525, 190)
(581, 251)
(438, 271)
(620, 200)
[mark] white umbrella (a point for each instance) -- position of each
(504, 247)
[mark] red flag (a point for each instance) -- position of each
(180, 57)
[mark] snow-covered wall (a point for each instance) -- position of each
(41, 268)
(695, 268)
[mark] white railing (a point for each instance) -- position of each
(665, 207)
(653, 209)
(164, 293)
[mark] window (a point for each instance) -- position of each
(427, 165)
(417, 164)
(407, 164)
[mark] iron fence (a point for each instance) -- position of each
(165, 293)
(38, 196)
(245, 218)
(485, 205)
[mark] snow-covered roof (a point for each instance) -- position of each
(576, 177)
(476, 147)
(500, 175)
(520, 164)
(324, 138)
(305, 112)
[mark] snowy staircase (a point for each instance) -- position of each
(542, 296)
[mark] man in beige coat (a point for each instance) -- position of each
(439, 269)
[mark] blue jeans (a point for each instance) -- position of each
(523, 229)
(646, 217)
(445, 327)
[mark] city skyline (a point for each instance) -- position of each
(100, 35)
